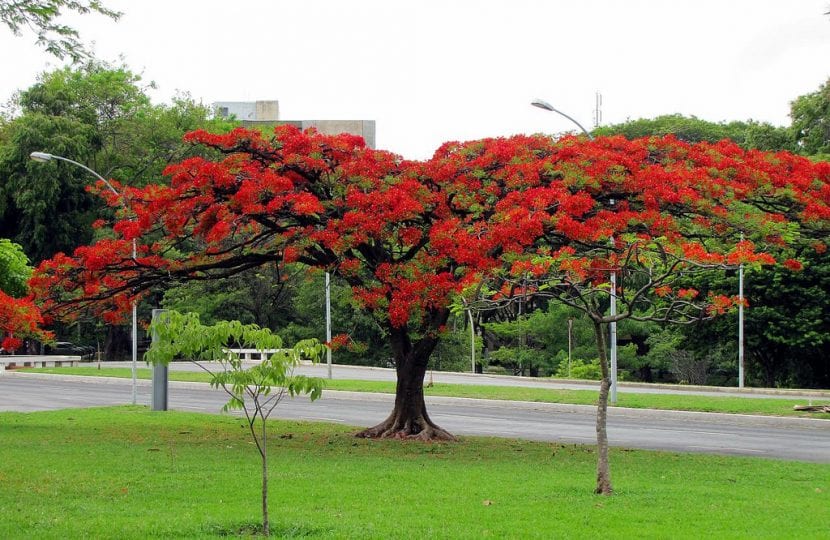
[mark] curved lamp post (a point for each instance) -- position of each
(542, 104)
(44, 157)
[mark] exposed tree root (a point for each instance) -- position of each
(420, 429)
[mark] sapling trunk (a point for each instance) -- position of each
(603, 471)
(266, 526)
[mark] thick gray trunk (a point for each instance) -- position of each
(409, 418)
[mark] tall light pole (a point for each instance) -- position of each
(44, 157)
(741, 323)
(542, 104)
(472, 342)
(328, 322)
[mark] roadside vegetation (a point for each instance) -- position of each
(127, 472)
(722, 404)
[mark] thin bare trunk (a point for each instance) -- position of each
(603, 471)
(266, 526)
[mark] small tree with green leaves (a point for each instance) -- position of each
(257, 390)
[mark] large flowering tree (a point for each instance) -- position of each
(394, 230)
(408, 236)
(653, 213)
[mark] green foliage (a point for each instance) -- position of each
(749, 134)
(453, 350)
(590, 369)
(787, 327)
(258, 296)
(98, 115)
(183, 336)
(580, 369)
(538, 344)
(810, 115)
(43, 17)
(307, 311)
(532, 344)
(255, 390)
(14, 269)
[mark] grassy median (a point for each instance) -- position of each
(126, 472)
(678, 402)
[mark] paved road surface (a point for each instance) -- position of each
(385, 374)
(789, 438)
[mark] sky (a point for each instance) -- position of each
(432, 71)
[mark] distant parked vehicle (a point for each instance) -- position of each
(66, 348)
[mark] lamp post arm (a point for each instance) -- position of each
(542, 104)
(43, 156)
(585, 131)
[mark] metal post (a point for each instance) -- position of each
(472, 341)
(160, 380)
(570, 343)
(135, 355)
(613, 328)
(328, 322)
(741, 326)
(135, 343)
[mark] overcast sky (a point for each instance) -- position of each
(432, 71)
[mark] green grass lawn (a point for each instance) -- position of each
(127, 472)
(725, 404)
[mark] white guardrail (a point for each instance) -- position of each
(253, 354)
(23, 360)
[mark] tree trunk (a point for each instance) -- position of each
(117, 343)
(409, 418)
(603, 470)
(266, 525)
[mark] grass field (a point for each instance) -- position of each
(725, 404)
(127, 472)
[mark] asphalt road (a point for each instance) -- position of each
(385, 374)
(787, 438)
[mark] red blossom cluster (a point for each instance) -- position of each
(19, 317)
(408, 235)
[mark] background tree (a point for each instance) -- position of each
(810, 115)
(41, 17)
(747, 134)
(19, 317)
(787, 325)
(257, 390)
(14, 269)
(100, 116)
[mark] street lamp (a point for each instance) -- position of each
(328, 323)
(542, 104)
(44, 157)
(741, 323)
